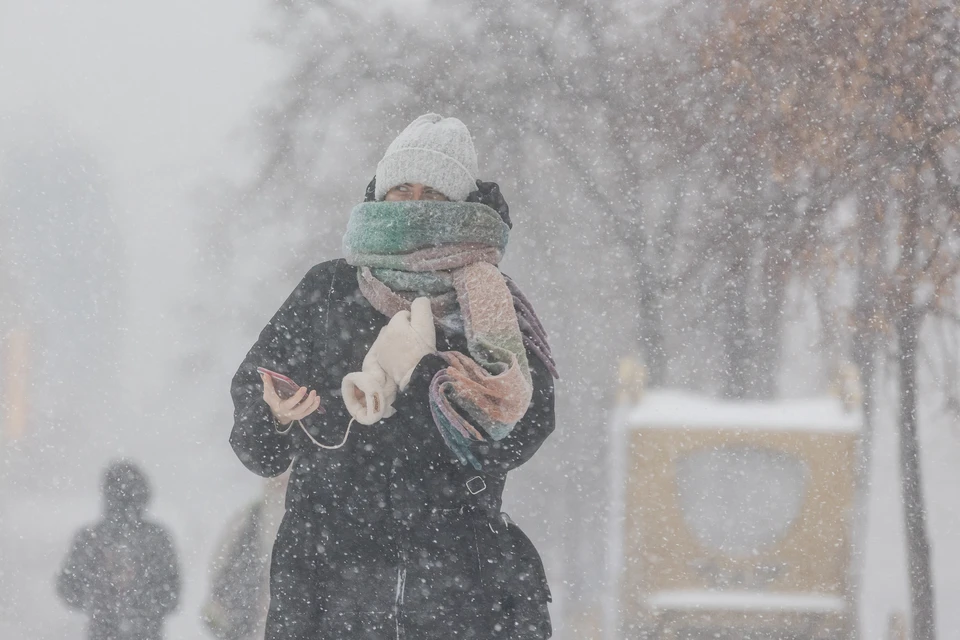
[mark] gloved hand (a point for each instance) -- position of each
(408, 337)
(369, 394)
(488, 193)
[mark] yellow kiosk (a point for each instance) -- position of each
(732, 520)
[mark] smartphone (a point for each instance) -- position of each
(284, 386)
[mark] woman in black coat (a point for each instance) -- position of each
(390, 535)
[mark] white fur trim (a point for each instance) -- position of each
(379, 395)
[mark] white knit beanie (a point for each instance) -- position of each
(434, 151)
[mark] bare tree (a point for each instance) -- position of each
(867, 93)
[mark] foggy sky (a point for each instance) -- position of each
(155, 92)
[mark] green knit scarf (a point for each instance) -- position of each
(449, 251)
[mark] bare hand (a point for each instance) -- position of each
(296, 407)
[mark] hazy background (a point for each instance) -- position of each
(169, 171)
(141, 105)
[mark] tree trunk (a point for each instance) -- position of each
(866, 362)
(735, 316)
(651, 324)
(650, 331)
(866, 346)
(918, 545)
(768, 336)
(658, 265)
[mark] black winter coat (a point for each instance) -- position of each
(122, 572)
(389, 536)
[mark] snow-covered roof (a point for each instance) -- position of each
(746, 601)
(675, 409)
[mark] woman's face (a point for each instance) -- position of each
(414, 191)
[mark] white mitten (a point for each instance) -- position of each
(378, 389)
(408, 337)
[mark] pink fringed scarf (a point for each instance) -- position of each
(476, 397)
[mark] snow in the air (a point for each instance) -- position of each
(737, 222)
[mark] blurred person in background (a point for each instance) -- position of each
(122, 571)
(239, 598)
(394, 529)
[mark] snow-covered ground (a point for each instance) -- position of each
(195, 498)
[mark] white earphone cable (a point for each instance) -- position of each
(314, 440)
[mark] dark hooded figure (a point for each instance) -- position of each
(122, 572)
(426, 377)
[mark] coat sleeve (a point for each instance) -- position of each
(165, 578)
(73, 582)
(284, 346)
(496, 456)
